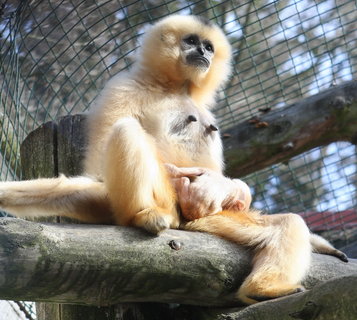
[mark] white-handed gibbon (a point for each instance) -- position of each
(155, 152)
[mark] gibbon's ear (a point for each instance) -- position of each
(240, 199)
(235, 205)
(168, 37)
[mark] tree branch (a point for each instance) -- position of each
(105, 265)
(333, 299)
(286, 132)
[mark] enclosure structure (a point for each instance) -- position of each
(56, 55)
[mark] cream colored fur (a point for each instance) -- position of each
(137, 125)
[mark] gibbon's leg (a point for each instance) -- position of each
(321, 245)
(138, 185)
(80, 197)
(281, 244)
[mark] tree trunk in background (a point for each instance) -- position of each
(283, 133)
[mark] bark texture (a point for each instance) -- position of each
(105, 265)
(286, 132)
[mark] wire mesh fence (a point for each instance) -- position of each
(55, 56)
(16, 310)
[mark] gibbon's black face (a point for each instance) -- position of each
(197, 52)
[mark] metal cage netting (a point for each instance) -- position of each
(55, 56)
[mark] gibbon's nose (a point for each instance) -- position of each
(201, 50)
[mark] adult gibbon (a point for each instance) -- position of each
(154, 147)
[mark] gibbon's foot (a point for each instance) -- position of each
(321, 245)
(258, 295)
(264, 298)
(153, 220)
(339, 254)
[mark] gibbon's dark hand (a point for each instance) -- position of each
(202, 192)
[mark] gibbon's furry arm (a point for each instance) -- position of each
(155, 114)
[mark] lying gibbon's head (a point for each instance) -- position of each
(187, 50)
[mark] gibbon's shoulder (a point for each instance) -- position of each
(123, 81)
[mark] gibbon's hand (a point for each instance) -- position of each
(202, 192)
(176, 172)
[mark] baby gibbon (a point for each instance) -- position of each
(151, 130)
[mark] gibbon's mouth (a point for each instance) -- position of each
(198, 61)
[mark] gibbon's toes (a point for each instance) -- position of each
(152, 220)
(339, 254)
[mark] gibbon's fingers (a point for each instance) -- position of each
(321, 245)
(176, 172)
(80, 198)
(234, 194)
(210, 193)
(192, 207)
(193, 201)
(182, 187)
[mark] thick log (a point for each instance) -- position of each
(105, 265)
(286, 132)
(333, 299)
(71, 144)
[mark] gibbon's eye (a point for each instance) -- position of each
(191, 39)
(208, 46)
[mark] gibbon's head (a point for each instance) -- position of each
(187, 50)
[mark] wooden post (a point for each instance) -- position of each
(51, 149)
(39, 159)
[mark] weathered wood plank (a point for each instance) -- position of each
(106, 265)
(71, 140)
(39, 152)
